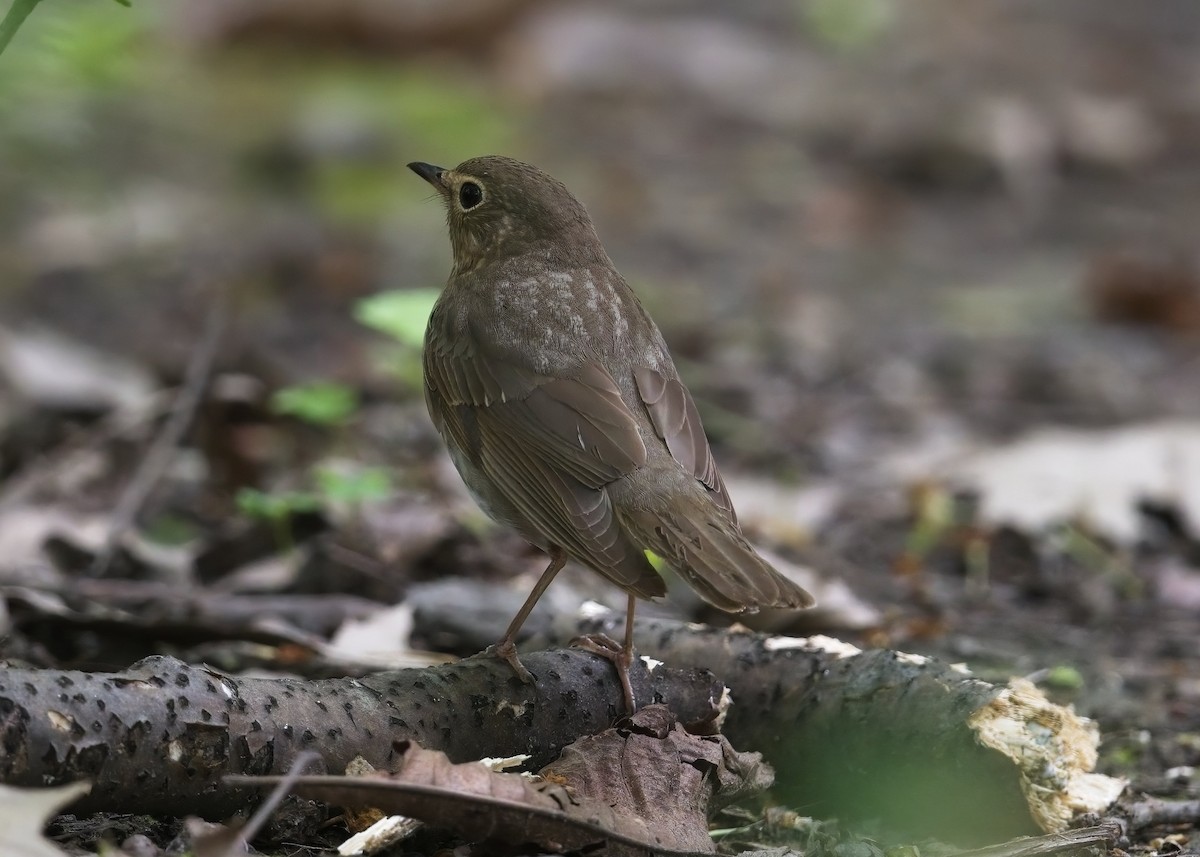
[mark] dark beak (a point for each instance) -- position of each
(430, 173)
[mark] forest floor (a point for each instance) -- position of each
(946, 345)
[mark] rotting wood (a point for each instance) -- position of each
(919, 744)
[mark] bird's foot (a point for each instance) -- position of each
(620, 656)
(506, 650)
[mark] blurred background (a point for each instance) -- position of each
(878, 235)
(973, 214)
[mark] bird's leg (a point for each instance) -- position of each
(620, 655)
(506, 649)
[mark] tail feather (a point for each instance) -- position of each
(711, 554)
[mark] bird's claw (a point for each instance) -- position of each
(506, 650)
(621, 657)
(600, 644)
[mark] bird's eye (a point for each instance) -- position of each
(470, 195)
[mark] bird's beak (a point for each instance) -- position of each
(433, 175)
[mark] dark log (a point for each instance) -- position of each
(158, 737)
(919, 744)
(881, 734)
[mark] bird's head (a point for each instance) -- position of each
(498, 207)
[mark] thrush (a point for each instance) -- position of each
(563, 412)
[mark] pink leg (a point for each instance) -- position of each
(620, 655)
(506, 649)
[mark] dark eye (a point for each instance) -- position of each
(470, 195)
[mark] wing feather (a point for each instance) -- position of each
(549, 446)
(677, 421)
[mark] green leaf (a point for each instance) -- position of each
(365, 485)
(13, 19)
(402, 314)
(848, 24)
(322, 403)
(91, 48)
(276, 507)
(1064, 677)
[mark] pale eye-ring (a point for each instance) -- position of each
(469, 195)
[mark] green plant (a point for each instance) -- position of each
(848, 24)
(353, 486)
(322, 403)
(16, 15)
(277, 509)
(402, 315)
(1064, 677)
(13, 19)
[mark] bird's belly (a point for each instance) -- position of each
(492, 502)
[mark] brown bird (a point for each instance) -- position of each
(563, 411)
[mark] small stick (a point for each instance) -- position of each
(1054, 843)
(195, 381)
(1155, 811)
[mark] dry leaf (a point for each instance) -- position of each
(24, 812)
(1098, 478)
(645, 784)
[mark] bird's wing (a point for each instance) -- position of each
(579, 426)
(550, 446)
(677, 422)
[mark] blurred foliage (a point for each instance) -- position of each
(365, 121)
(934, 516)
(353, 486)
(107, 96)
(848, 24)
(338, 485)
(276, 507)
(401, 314)
(1064, 677)
(16, 15)
(171, 529)
(13, 19)
(76, 48)
(322, 403)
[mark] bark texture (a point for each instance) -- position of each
(851, 733)
(158, 737)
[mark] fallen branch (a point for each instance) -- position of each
(158, 737)
(883, 734)
(917, 744)
(1156, 812)
(921, 745)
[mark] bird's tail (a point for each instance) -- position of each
(711, 554)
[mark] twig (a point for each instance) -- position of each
(1054, 843)
(232, 841)
(1155, 811)
(47, 467)
(195, 380)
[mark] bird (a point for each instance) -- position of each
(562, 410)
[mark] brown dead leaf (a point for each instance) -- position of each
(646, 784)
(658, 778)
